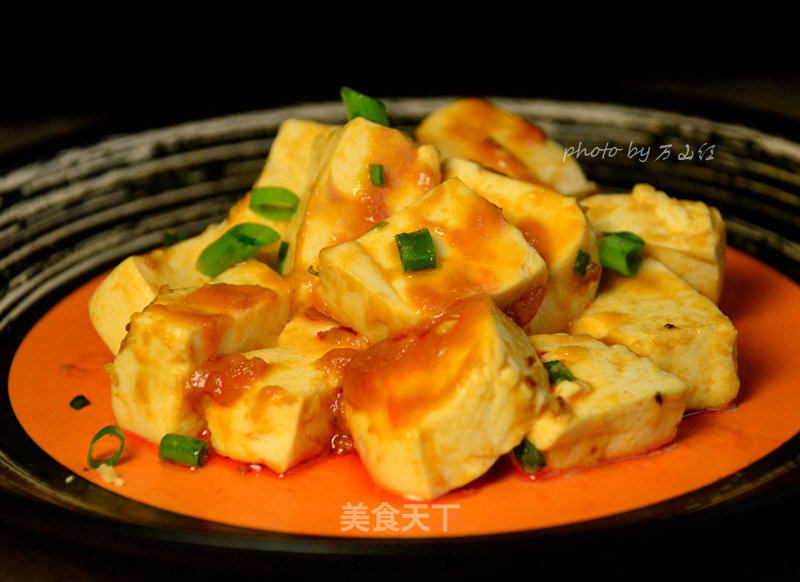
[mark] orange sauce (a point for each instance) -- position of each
(313, 498)
(224, 378)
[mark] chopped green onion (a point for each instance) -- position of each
(313, 271)
(378, 225)
(274, 202)
(360, 105)
(79, 402)
(558, 371)
(376, 174)
(622, 252)
(184, 450)
(283, 253)
(239, 243)
(172, 236)
(530, 459)
(108, 430)
(581, 262)
(416, 250)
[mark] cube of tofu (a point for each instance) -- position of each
(618, 405)
(658, 315)
(343, 203)
(556, 226)
(432, 409)
(481, 131)
(363, 285)
(687, 236)
(280, 417)
(286, 412)
(174, 334)
(134, 283)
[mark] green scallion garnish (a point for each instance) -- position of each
(184, 450)
(274, 202)
(239, 243)
(581, 263)
(360, 105)
(376, 174)
(416, 249)
(622, 252)
(283, 253)
(79, 402)
(558, 371)
(530, 459)
(313, 271)
(112, 430)
(172, 236)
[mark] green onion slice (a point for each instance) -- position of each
(376, 174)
(283, 253)
(313, 271)
(530, 459)
(581, 263)
(108, 430)
(622, 252)
(184, 450)
(360, 105)
(274, 202)
(239, 243)
(172, 236)
(79, 402)
(558, 372)
(416, 250)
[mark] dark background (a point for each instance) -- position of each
(65, 83)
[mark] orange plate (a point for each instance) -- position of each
(62, 357)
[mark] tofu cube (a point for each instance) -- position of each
(343, 202)
(432, 409)
(481, 131)
(687, 236)
(287, 412)
(363, 285)
(658, 315)
(556, 226)
(178, 331)
(618, 405)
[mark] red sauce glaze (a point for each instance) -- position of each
(409, 374)
(224, 378)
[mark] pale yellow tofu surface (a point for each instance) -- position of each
(618, 405)
(178, 331)
(287, 412)
(434, 408)
(479, 130)
(363, 285)
(282, 417)
(658, 315)
(342, 202)
(687, 236)
(555, 225)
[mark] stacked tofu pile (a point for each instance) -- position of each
(431, 372)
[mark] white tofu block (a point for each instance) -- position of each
(178, 331)
(555, 225)
(281, 417)
(287, 413)
(619, 405)
(687, 236)
(432, 409)
(363, 285)
(658, 315)
(481, 131)
(343, 203)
